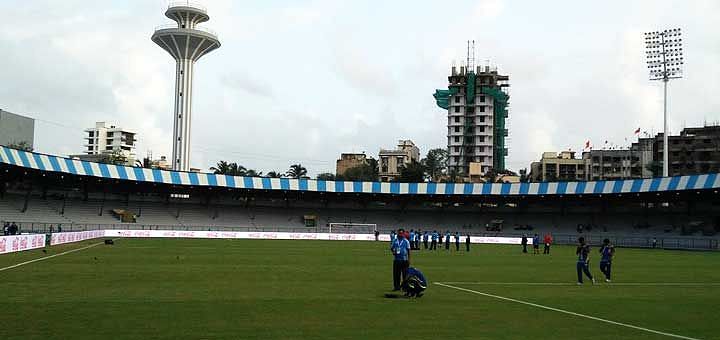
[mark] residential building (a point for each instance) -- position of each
(16, 130)
(561, 166)
(349, 161)
(477, 106)
(162, 163)
(614, 164)
(695, 151)
(392, 161)
(106, 139)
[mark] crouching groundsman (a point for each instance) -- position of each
(415, 283)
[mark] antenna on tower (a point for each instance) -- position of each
(473, 55)
(470, 65)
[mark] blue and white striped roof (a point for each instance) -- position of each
(76, 167)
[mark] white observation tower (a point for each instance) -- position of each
(186, 42)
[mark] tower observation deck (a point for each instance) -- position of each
(187, 43)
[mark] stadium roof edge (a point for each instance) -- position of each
(49, 163)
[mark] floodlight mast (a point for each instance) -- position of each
(664, 61)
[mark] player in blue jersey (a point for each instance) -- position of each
(606, 254)
(447, 240)
(457, 241)
(425, 239)
(536, 244)
(400, 249)
(434, 240)
(583, 261)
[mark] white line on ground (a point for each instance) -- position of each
(640, 284)
(49, 257)
(566, 312)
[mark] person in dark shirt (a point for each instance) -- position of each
(524, 242)
(377, 235)
(426, 236)
(606, 255)
(467, 242)
(536, 244)
(583, 261)
(447, 240)
(457, 241)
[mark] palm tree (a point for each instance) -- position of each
(222, 168)
(326, 176)
(253, 173)
(274, 174)
(231, 169)
(296, 171)
(237, 170)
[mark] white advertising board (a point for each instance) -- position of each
(75, 236)
(280, 236)
(11, 244)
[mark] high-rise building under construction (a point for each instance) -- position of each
(477, 107)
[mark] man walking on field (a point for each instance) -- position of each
(583, 261)
(606, 254)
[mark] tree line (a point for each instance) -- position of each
(234, 169)
(431, 168)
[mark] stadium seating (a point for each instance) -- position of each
(76, 212)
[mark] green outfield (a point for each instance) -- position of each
(247, 289)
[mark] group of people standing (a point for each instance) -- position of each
(607, 251)
(430, 240)
(547, 241)
(10, 229)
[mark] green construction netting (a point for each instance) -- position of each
(442, 97)
(470, 89)
(500, 100)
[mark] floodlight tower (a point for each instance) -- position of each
(664, 61)
(187, 43)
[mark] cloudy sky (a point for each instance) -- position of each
(303, 81)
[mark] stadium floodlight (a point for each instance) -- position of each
(664, 53)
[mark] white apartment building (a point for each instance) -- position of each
(104, 139)
(476, 103)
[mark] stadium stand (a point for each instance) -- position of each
(683, 210)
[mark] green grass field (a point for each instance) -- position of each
(247, 289)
